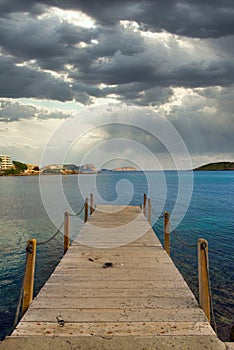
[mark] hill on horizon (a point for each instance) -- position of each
(217, 166)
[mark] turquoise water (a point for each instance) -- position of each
(209, 215)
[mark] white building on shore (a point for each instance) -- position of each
(5, 162)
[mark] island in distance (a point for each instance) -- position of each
(79, 169)
(22, 169)
(217, 166)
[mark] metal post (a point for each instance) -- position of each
(86, 209)
(149, 211)
(91, 204)
(66, 231)
(144, 204)
(167, 232)
(29, 274)
(203, 265)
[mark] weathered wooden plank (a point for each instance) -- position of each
(71, 275)
(81, 250)
(52, 292)
(115, 315)
(96, 262)
(63, 278)
(138, 342)
(112, 285)
(115, 329)
(117, 270)
(120, 302)
(120, 240)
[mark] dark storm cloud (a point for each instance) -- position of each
(143, 94)
(201, 19)
(193, 18)
(21, 81)
(152, 65)
(131, 67)
(9, 6)
(216, 72)
(49, 41)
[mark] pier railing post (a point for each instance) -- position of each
(86, 209)
(167, 232)
(91, 204)
(29, 274)
(203, 265)
(66, 231)
(144, 204)
(149, 210)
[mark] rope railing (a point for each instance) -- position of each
(161, 216)
(175, 244)
(182, 241)
(53, 237)
(155, 214)
(175, 233)
(79, 212)
(26, 289)
(60, 227)
(205, 294)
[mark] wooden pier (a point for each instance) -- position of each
(115, 288)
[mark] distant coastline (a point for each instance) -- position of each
(219, 166)
(21, 169)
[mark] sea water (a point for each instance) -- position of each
(33, 207)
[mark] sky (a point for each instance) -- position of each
(85, 64)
